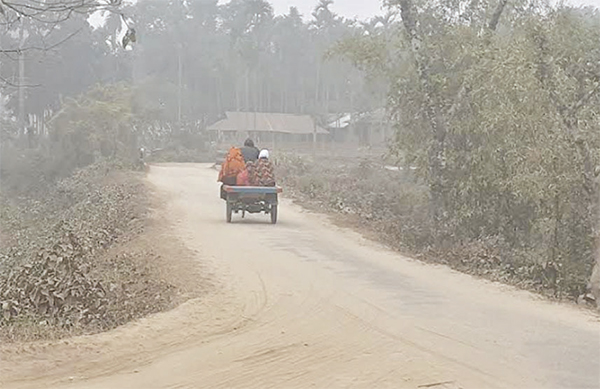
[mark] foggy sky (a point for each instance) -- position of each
(363, 9)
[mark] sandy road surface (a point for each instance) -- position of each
(305, 304)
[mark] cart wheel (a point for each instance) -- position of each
(229, 212)
(273, 214)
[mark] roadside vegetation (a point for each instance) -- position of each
(392, 206)
(497, 122)
(499, 112)
(74, 207)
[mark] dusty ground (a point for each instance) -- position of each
(307, 304)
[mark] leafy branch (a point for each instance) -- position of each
(51, 14)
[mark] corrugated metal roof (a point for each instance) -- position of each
(267, 122)
(345, 120)
(342, 121)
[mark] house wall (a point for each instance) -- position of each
(266, 139)
(362, 134)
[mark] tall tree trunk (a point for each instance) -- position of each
(238, 97)
(495, 19)
(491, 28)
(258, 93)
(432, 112)
(327, 99)
(219, 93)
(247, 89)
(21, 82)
(594, 284)
(179, 83)
(437, 119)
(283, 97)
(317, 85)
(568, 116)
(269, 97)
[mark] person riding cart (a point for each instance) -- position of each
(233, 165)
(263, 173)
(249, 151)
(249, 187)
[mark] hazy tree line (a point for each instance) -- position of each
(194, 60)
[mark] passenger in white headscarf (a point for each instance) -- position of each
(264, 173)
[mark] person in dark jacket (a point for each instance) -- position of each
(249, 151)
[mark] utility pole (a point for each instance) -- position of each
(314, 137)
(1, 96)
(21, 86)
(179, 82)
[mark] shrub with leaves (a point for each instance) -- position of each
(498, 109)
(59, 275)
(394, 205)
(55, 287)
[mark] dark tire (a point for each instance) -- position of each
(229, 212)
(274, 214)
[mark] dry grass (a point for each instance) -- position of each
(89, 258)
(389, 206)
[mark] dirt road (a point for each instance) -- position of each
(306, 304)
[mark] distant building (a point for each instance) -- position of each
(266, 127)
(363, 129)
